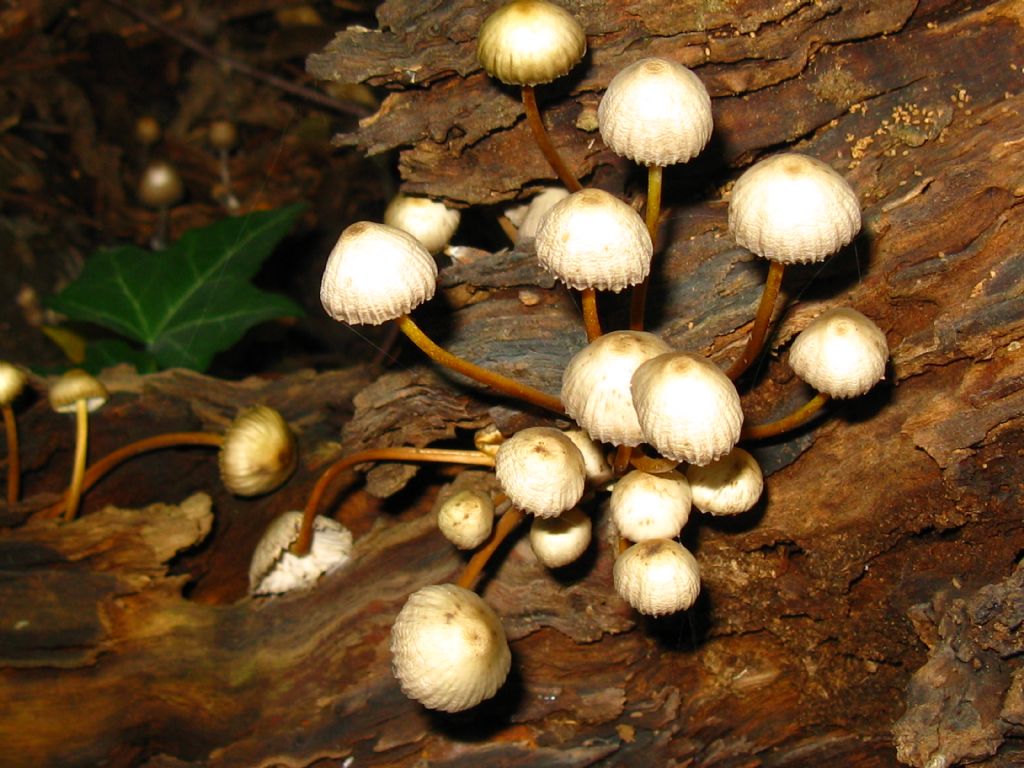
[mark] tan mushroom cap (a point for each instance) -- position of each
(160, 185)
(527, 217)
(12, 381)
(376, 273)
(688, 409)
(222, 134)
(595, 464)
(259, 452)
(529, 42)
(727, 486)
(657, 577)
(596, 385)
(841, 353)
(431, 222)
(794, 209)
(275, 570)
(655, 112)
(558, 541)
(646, 506)
(594, 240)
(541, 471)
(448, 648)
(466, 518)
(76, 385)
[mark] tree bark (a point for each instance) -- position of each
(866, 613)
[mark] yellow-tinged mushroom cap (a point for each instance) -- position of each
(12, 381)
(76, 385)
(160, 185)
(259, 452)
(841, 353)
(529, 42)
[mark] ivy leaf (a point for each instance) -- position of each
(189, 302)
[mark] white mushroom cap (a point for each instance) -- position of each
(655, 112)
(431, 222)
(596, 385)
(688, 409)
(529, 42)
(275, 570)
(558, 541)
(657, 577)
(541, 471)
(594, 240)
(448, 648)
(259, 452)
(76, 385)
(12, 381)
(646, 506)
(841, 353)
(160, 185)
(528, 217)
(376, 273)
(596, 466)
(466, 518)
(488, 440)
(726, 486)
(794, 209)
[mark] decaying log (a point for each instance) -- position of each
(874, 589)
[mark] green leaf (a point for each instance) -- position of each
(108, 352)
(191, 301)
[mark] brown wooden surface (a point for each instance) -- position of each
(867, 611)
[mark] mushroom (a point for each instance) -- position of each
(687, 408)
(466, 518)
(541, 471)
(160, 187)
(431, 222)
(789, 209)
(841, 353)
(448, 648)
(727, 486)
(595, 465)
(558, 541)
(79, 393)
(655, 112)
(526, 218)
(657, 577)
(646, 506)
(377, 273)
(223, 136)
(275, 570)
(12, 382)
(258, 453)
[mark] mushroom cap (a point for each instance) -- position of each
(529, 42)
(431, 222)
(558, 541)
(222, 134)
(259, 452)
(147, 130)
(794, 209)
(646, 506)
(77, 385)
(541, 471)
(655, 112)
(727, 486)
(12, 381)
(448, 648)
(657, 577)
(841, 353)
(595, 464)
(465, 518)
(596, 385)
(594, 240)
(160, 185)
(275, 570)
(688, 409)
(527, 217)
(376, 273)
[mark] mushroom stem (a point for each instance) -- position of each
(13, 457)
(620, 462)
(493, 380)
(506, 524)
(797, 418)
(540, 135)
(638, 300)
(591, 319)
(158, 242)
(74, 493)
(98, 470)
(228, 198)
(400, 453)
(761, 321)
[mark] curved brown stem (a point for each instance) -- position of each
(638, 299)
(493, 380)
(97, 471)
(400, 453)
(621, 460)
(591, 319)
(506, 524)
(540, 135)
(797, 418)
(13, 456)
(761, 321)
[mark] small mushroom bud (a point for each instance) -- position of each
(558, 541)
(727, 486)
(646, 506)
(275, 570)
(657, 577)
(431, 222)
(541, 471)
(841, 353)
(259, 452)
(466, 518)
(160, 187)
(448, 648)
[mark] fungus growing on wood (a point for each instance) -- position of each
(431, 222)
(466, 518)
(79, 393)
(841, 353)
(258, 453)
(558, 541)
(727, 486)
(541, 471)
(12, 382)
(160, 188)
(275, 569)
(657, 577)
(646, 506)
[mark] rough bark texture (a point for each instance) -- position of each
(868, 611)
